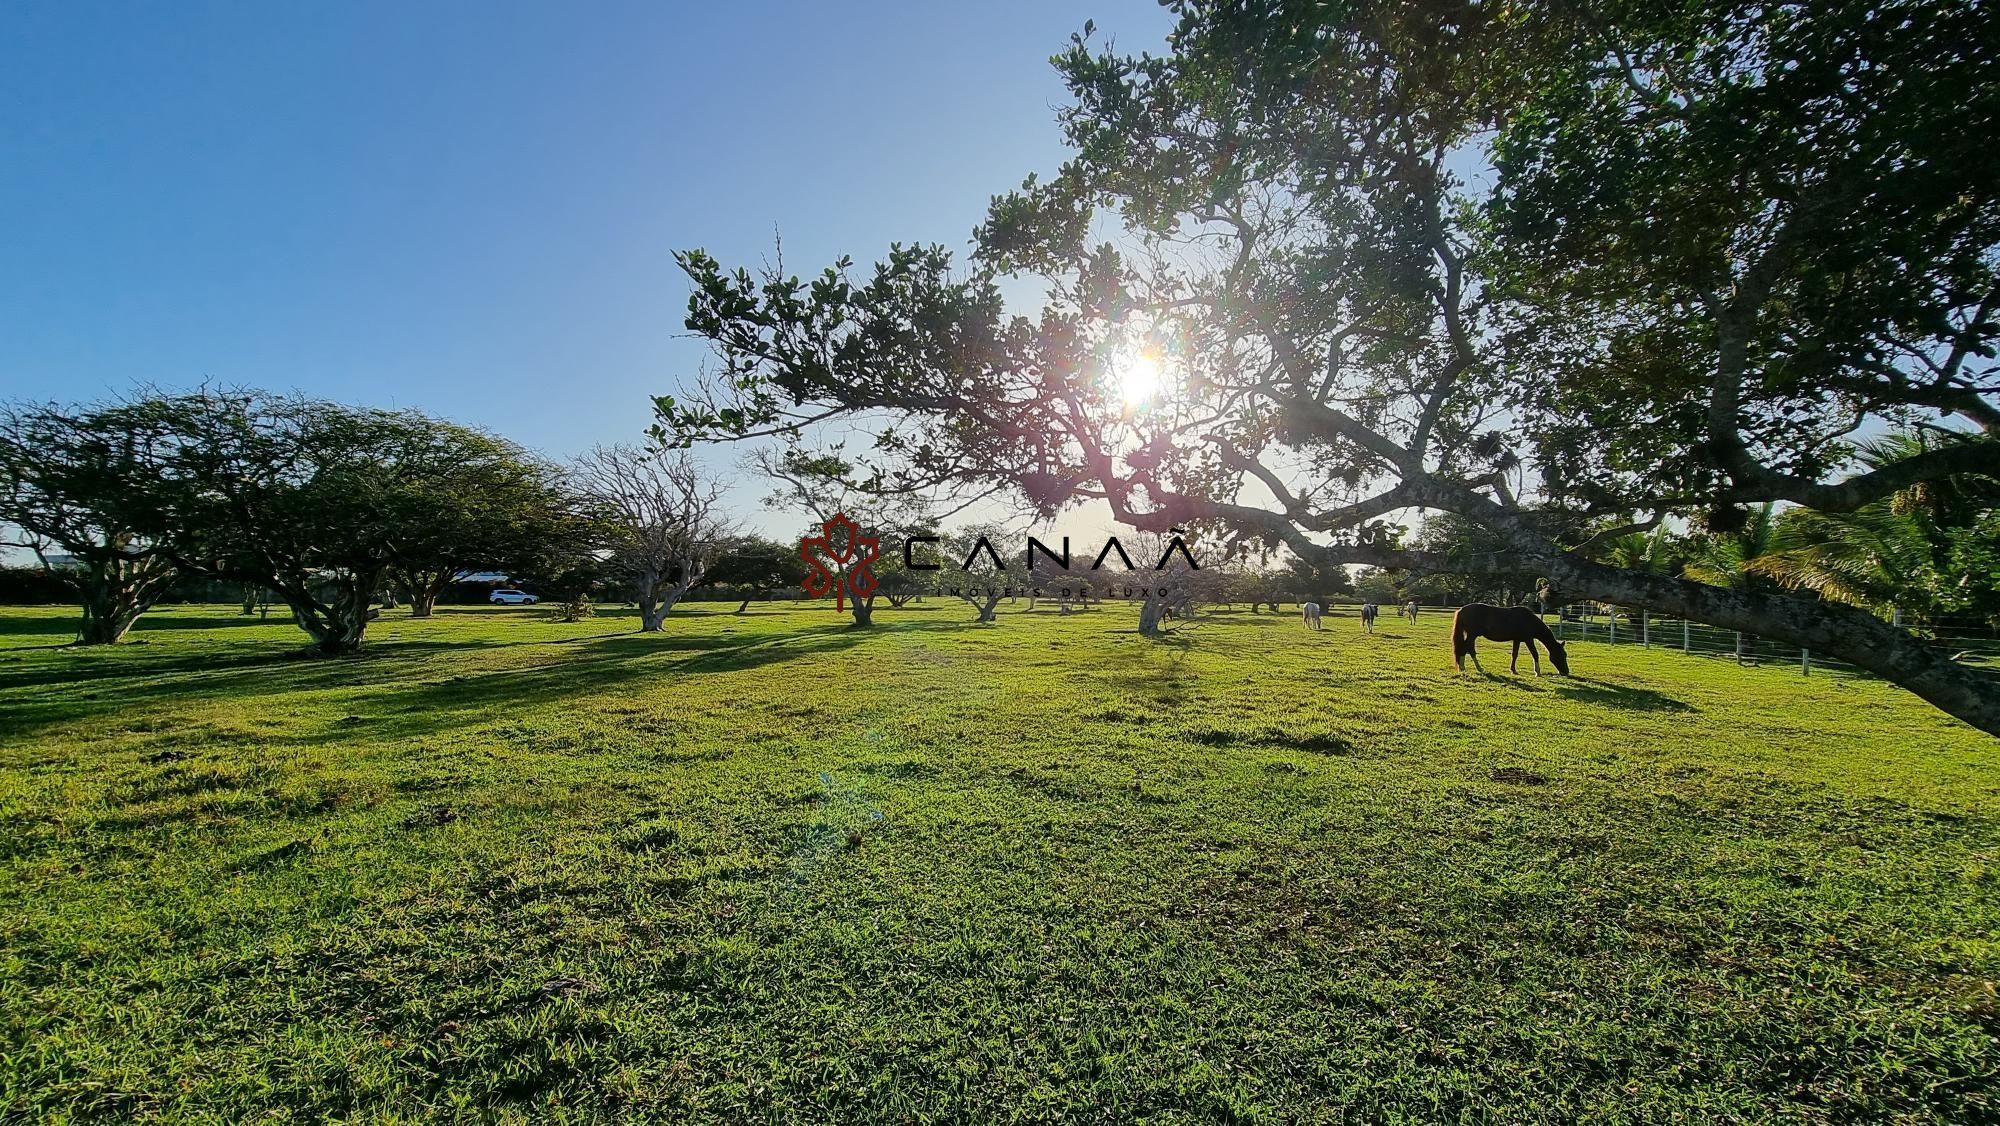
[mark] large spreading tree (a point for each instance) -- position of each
(1562, 271)
(491, 505)
(72, 482)
(316, 501)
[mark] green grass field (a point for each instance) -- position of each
(765, 867)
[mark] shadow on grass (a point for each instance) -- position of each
(64, 626)
(415, 697)
(155, 623)
(1587, 691)
(1584, 690)
(606, 663)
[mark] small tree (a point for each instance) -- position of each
(897, 582)
(572, 583)
(820, 485)
(78, 480)
(1376, 585)
(667, 522)
(976, 572)
(494, 506)
(755, 565)
(1261, 588)
(1315, 581)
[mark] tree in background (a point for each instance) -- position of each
(1377, 586)
(665, 522)
(1718, 239)
(1315, 580)
(1658, 552)
(1873, 557)
(897, 581)
(1923, 555)
(823, 486)
(756, 566)
(78, 481)
(1261, 588)
(312, 500)
(1071, 586)
(1726, 559)
(976, 570)
(496, 507)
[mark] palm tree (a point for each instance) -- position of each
(1651, 552)
(1892, 555)
(1723, 560)
(1874, 557)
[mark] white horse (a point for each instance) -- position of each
(1368, 612)
(1309, 612)
(1410, 611)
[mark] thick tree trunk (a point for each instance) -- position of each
(107, 615)
(1150, 611)
(421, 589)
(743, 607)
(863, 610)
(1859, 638)
(655, 602)
(337, 628)
(985, 607)
(115, 592)
(646, 595)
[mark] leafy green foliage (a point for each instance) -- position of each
(79, 482)
(488, 505)
(755, 565)
(1927, 554)
(1718, 242)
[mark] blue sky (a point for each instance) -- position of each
(471, 208)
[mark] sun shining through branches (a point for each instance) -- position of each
(1139, 377)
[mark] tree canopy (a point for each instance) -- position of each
(1563, 272)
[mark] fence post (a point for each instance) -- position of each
(1614, 625)
(1645, 629)
(1684, 638)
(1895, 615)
(1805, 662)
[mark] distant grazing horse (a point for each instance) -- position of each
(1369, 612)
(1504, 623)
(1310, 613)
(1410, 611)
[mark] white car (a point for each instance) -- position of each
(513, 597)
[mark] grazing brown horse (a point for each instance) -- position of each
(1504, 623)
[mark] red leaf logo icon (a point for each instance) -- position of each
(842, 561)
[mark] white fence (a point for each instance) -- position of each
(1622, 626)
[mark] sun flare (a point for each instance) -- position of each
(1139, 377)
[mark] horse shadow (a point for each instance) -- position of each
(1584, 690)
